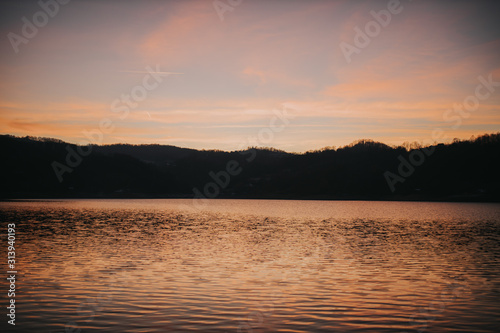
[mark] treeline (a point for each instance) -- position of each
(49, 168)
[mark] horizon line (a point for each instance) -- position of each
(406, 144)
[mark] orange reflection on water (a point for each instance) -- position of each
(127, 266)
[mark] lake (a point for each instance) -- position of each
(253, 266)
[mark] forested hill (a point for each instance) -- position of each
(50, 168)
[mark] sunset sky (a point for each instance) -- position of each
(224, 80)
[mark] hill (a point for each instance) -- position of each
(49, 168)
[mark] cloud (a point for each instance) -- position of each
(227, 77)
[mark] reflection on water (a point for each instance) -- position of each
(256, 266)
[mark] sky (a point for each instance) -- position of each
(293, 75)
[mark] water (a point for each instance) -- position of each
(254, 266)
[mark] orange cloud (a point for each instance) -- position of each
(189, 31)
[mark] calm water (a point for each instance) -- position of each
(254, 266)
